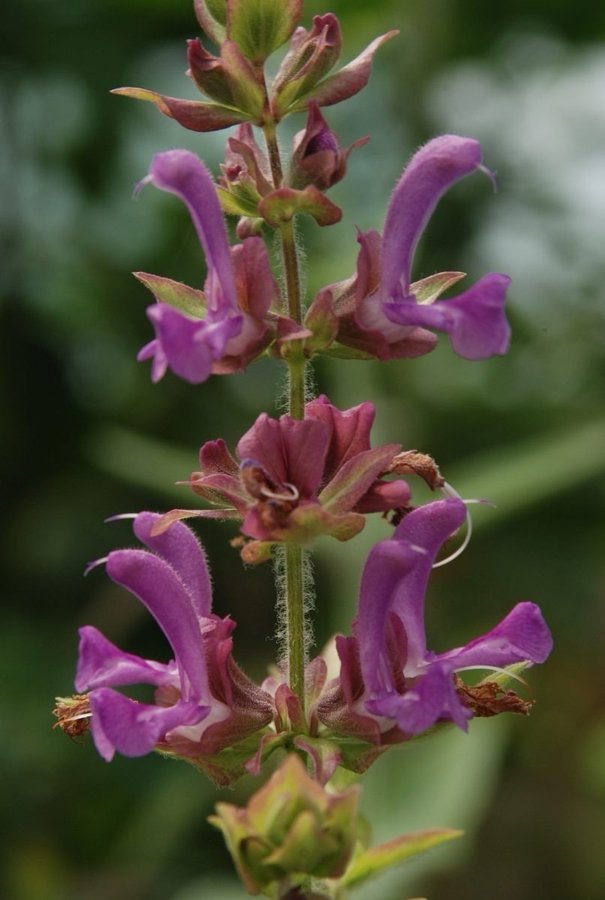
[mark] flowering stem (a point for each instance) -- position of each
(294, 565)
(286, 232)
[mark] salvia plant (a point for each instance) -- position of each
(293, 477)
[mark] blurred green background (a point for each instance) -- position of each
(86, 435)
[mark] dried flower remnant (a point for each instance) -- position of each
(73, 715)
(488, 698)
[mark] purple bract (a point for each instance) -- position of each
(296, 479)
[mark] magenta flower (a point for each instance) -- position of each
(225, 327)
(296, 479)
(203, 702)
(391, 686)
(380, 310)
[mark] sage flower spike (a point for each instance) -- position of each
(203, 702)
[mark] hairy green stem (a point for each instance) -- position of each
(294, 563)
(295, 620)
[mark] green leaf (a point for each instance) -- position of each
(240, 199)
(377, 859)
(212, 16)
(427, 290)
(186, 299)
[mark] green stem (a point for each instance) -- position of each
(295, 620)
(294, 563)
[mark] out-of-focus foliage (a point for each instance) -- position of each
(86, 435)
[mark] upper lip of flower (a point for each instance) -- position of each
(474, 319)
(182, 173)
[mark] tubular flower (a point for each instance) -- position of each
(296, 479)
(391, 686)
(380, 311)
(203, 702)
(222, 329)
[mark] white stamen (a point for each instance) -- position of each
(140, 185)
(93, 565)
(120, 516)
(450, 491)
(293, 495)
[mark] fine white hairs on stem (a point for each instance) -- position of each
(281, 629)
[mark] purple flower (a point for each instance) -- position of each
(203, 702)
(391, 686)
(224, 328)
(381, 311)
(296, 479)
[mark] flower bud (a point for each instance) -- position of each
(261, 27)
(212, 16)
(228, 79)
(311, 56)
(292, 828)
(317, 156)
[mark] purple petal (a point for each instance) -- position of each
(160, 589)
(475, 319)
(349, 430)
(102, 664)
(188, 347)
(133, 729)
(184, 174)
(257, 289)
(383, 496)
(355, 477)
(432, 696)
(389, 566)
(180, 548)
(394, 581)
(522, 636)
(289, 450)
(431, 171)
(426, 529)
